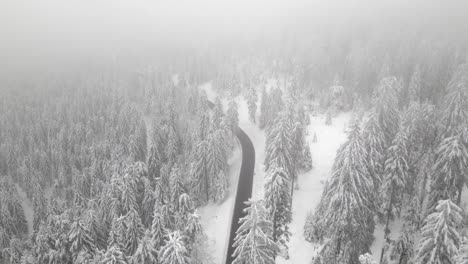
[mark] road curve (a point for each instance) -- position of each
(244, 188)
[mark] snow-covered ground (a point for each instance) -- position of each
(306, 198)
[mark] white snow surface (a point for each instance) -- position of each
(306, 198)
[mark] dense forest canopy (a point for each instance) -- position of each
(118, 123)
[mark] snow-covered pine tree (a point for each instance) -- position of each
(328, 117)
(40, 210)
(192, 227)
(386, 107)
(366, 259)
(203, 125)
(278, 204)
(177, 187)
(402, 250)
(96, 230)
(154, 161)
(415, 85)
(114, 255)
(253, 241)
(79, 239)
(302, 116)
(142, 139)
(149, 199)
(440, 239)
(455, 114)
(172, 147)
(344, 212)
(218, 113)
(462, 255)
(232, 116)
(157, 228)
(374, 141)
(395, 178)
(133, 232)
(146, 252)
(279, 147)
(128, 199)
(450, 170)
(184, 208)
(300, 147)
(199, 173)
(306, 161)
(217, 165)
(252, 103)
(116, 233)
(264, 109)
(174, 250)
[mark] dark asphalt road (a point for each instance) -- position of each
(244, 186)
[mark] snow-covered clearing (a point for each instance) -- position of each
(305, 199)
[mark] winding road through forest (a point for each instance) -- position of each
(244, 187)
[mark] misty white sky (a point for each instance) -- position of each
(37, 30)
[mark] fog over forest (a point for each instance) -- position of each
(55, 33)
(233, 132)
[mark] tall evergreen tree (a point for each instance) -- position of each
(133, 232)
(415, 85)
(462, 255)
(252, 103)
(450, 170)
(253, 241)
(96, 230)
(154, 161)
(374, 140)
(146, 252)
(395, 179)
(386, 107)
(174, 250)
(439, 237)
(217, 113)
(278, 203)
(157, 228)
(279, 147)
(217, 165)
(344, 214)
(80, 240)
(455, 114)
(199, 173)
(232, 116)
(114, 255)
(264, 109)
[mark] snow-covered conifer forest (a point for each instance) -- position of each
(233, 132)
